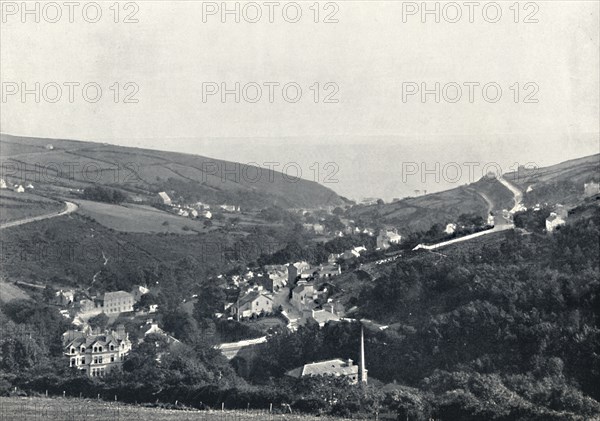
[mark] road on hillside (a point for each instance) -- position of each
(505, 224)
(69, 208)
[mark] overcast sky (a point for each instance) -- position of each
(365, 57)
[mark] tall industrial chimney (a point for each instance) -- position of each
(363, 370)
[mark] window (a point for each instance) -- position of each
(82, 349)
(112, 358)
(95, 360)
(112, 347)
(100, 359)
(72, 350)
(83, 360)
(95, 349)
(73, 362)
(99, 349)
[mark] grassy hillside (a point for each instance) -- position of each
(15, 206)
(75, 165)
(420, 213)
(561, 183)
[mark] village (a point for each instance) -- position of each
(293, 294)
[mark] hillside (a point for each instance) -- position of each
(73, 164)
(560, 183)
(420, 213)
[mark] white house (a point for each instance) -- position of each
(253, 303)
(303, 296)
(553, 222)
(96, 354)
(164, 198)
(117, 302)
(450, 228)
(20, 189)
(354, 252)
(138, 291)
(388, 237)
(592, 188)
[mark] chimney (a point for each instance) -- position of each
(363, 371)
(349, 362)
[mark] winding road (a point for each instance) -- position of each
(507, 225)
(69, 208)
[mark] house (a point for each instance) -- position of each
(553, 222)
(86, 305)
(388, 237)
(206, 214)
(96, 354)
(336, 367)
(151, 327)
(327, 271)
(138, 291)
(320, 317)
(230, 208)
(49, 147)
(490, 220)
(368, 231)
(274, 281)
(193, 213)
(592, 188)
(253, 303)
(318, 228)
(450, 228)
(561, 211)
(334, 257)
(117, 302)
(3, 184)
(353, 252)
(163, 198)
(303, 296)
(297, 269)
(19, 189)
(64, 297)
(29, 186)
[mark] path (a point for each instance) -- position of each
(70, 208)
(518, 197)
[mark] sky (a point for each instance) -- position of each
(353, 82)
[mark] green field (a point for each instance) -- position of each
(138, 218)
(86, 409)
(9, 292)
(15, 206)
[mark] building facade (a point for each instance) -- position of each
(117, 302)
(96, 354)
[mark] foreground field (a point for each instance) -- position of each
(85, 409)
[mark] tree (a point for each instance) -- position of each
(49, 293)
(99, 322)
(210, 301)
